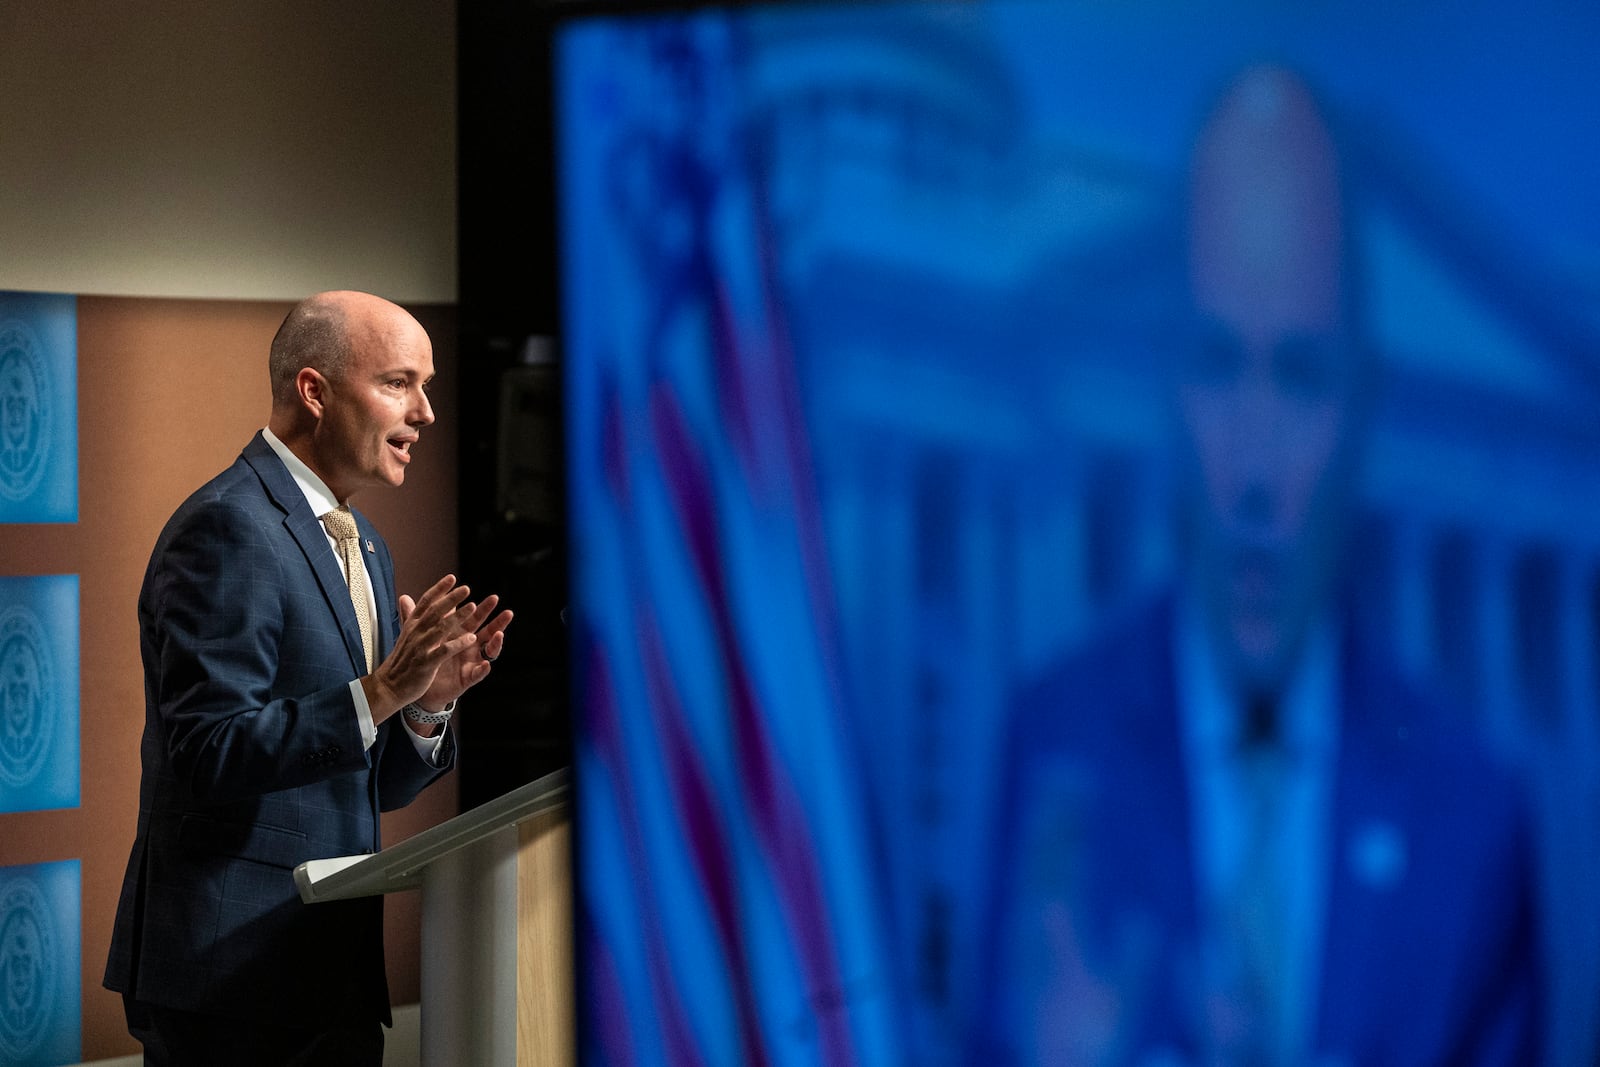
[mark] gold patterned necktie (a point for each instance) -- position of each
(341, 526)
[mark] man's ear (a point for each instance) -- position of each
(311, 389)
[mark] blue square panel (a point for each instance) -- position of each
(38, 692)
(41, 1014)
(38, 407)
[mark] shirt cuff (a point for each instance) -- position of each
(369, 732)
(427, 747)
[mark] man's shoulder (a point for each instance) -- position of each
(232, 500)
(1404, 718)
(236, 486)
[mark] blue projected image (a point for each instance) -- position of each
(38, 692)
(38, 407)
(40, 964)
(1086, 532)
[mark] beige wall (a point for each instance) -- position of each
(256, 149)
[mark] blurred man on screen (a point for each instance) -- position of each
(1236, 833)
(290, 696)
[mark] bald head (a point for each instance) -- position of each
(350, 373)
(321, 331)
(1267, 230)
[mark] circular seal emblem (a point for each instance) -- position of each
(24, 411)
(27, 697)
(27, 968)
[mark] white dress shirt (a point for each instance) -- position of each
(1308, 715)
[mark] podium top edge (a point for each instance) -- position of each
(400, 866)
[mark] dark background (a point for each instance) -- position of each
(511, 520)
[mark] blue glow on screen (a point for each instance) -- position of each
(38, 692)
(38, 407)
(40, 964)
(981, 418)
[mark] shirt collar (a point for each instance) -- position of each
(316, 491)
(1211, 717)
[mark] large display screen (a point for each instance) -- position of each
(1085, 524)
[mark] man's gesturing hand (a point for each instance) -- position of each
(468, 667)
(433, 629)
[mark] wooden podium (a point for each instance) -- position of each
(496, 925)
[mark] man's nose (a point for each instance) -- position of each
(1258, 441)
(423, 413)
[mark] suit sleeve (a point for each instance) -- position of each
(252, 695)
(402, 772)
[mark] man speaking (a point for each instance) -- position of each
(290, 696)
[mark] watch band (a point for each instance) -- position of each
(428, 718)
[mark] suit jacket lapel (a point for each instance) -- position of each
(1152, 838)
(308, 533)
(1372, 812)
(1141, 890)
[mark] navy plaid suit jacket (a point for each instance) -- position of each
(252, 762)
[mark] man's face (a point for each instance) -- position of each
(1269, 388)
(374, 410)
(1267, 400)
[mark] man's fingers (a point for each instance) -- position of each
(471, 616)
(407, 606)
(445, 598)
(496, 626)
(436, 606)
(438, 588)
(442, 596)
(479, 613)
(438, 652)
